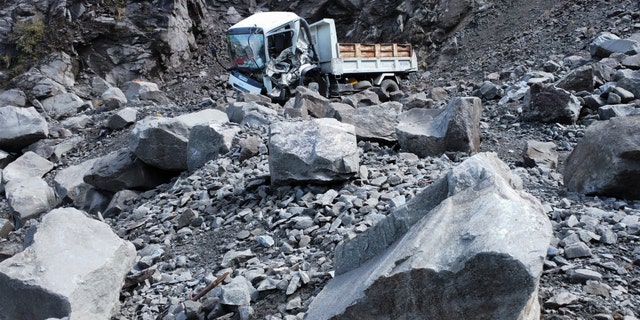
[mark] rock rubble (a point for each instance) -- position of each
(204, 200)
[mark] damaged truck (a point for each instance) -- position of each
(273, 53)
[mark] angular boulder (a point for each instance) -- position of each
(540, 154)
(69, 183)
(362, 99)
(5, 159)
(317, 150)
(619, 110)
(624, 94)
(416, 100)
(550, 104)
(207, 142)
(122, 118)
(488, 91)
(632, 62)
(99, 86)
(28, 198)
(162, 142)
(315, 104)
(54, 149)
(242, 112)
(62, 105)
(27, 165)
(133, 89)
(5, 228)
(120, 201)
(21, 127)
(585, 78)
(607, 159)
(341, 111)
(53, 75)
(377, 122)
(121, 170)
(628, 80)
(13, 97)
(431, 132)
(471, 246)
(606, 44)
(113, 98)
(73, 267)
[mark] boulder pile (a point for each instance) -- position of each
(511, 197)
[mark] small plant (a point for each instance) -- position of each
(6, 61)
(29, 34)
(121, 10)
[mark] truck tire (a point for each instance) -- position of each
(387, 86)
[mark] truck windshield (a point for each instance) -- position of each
(247, 50)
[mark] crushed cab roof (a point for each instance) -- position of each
(266, 20)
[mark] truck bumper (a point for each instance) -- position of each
(243, 83)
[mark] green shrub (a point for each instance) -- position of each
(29, 35)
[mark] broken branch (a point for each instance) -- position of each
(208, 288)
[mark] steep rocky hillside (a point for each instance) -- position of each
(226, 217)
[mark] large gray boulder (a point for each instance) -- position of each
(315, 104)
(376, 122)
(550, 104)
(99, 86)
(13, 97)
(21, 127)
(120, 201)
(121, 170)
(69, 183)
(5, 228)
(606, 44)
(632, 62)
(63, 105)
(73, 267)
(585, 78)
(28, 198)
(617, 110)
(540, 154)
(341, 111)
(53, 75)
(318, 150)
(207, 142)
(133, 89)
(113, 98)
(629, 80)
(416, 100)
(471, 246)
(162, 142)
(27, 165)
(122, 118)
(5, 159)
(55, 149)
(361, 99)
(249, 112)
(431, 132)
(606, 161)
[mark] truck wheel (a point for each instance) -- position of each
(387, 86)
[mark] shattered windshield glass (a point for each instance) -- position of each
(247, 50)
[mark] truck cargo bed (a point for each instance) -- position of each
(377, 50)
(359, 58)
